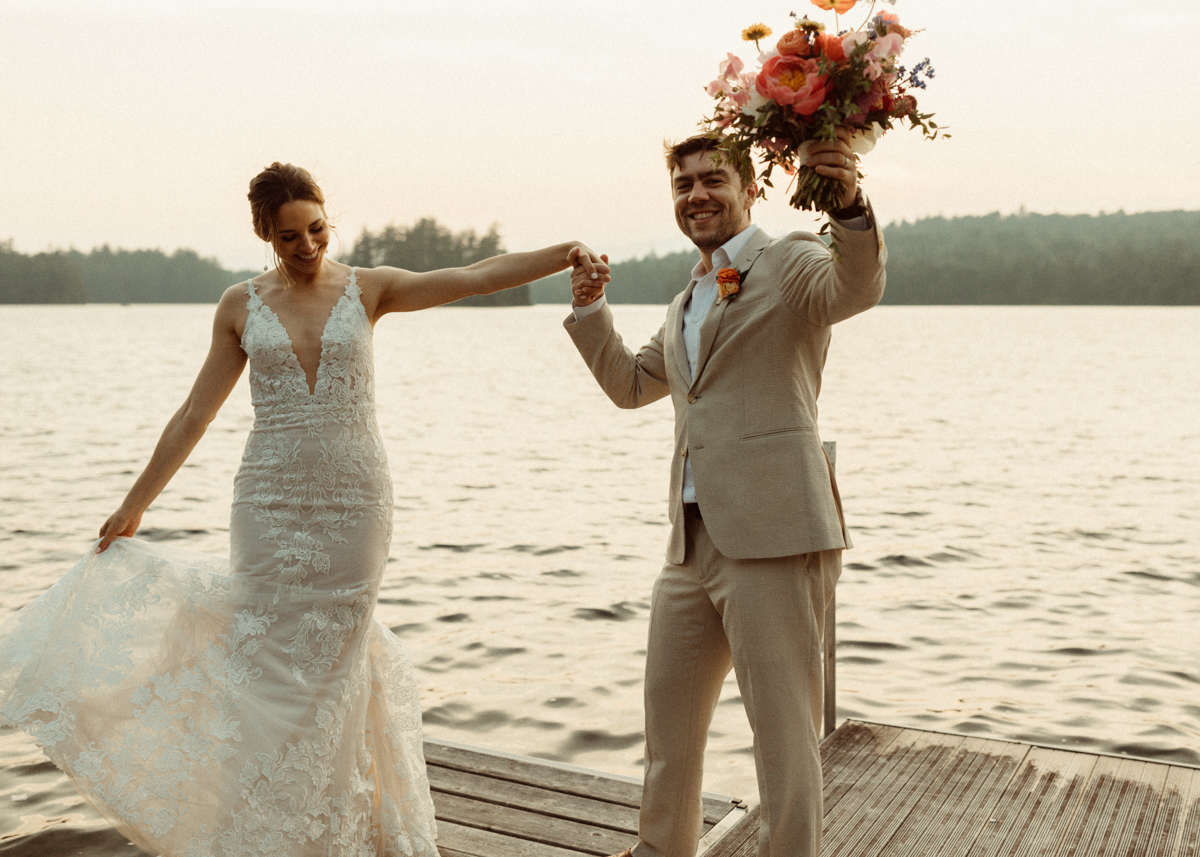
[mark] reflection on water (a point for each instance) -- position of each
(1023, 485)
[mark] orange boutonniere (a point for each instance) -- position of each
(729, 283)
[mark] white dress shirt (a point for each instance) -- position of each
(704, 297)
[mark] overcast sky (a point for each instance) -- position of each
(139, 124)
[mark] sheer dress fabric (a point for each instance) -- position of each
(213, 708)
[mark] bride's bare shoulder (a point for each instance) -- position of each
(233, 308)
(377, 284)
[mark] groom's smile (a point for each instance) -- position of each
(711, 202)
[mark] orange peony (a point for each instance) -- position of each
(841, 7)
(793, 44)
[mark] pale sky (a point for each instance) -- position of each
(139, 124)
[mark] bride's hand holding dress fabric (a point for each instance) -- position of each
(215, 381)
(213, 707)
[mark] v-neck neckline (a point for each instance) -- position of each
(316, 382)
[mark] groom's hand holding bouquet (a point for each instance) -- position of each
(815, 95)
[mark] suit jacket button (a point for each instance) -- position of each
(692, 399)
(683, 452)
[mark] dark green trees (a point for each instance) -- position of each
(426, 246)
(47, 278)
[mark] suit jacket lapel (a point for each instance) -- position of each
(676, 333)
(708, 331)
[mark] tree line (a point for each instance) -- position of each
(1123, 259)
(428, 245)
(1149, 258)
(151, 276)
(112, 276)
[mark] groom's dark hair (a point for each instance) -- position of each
(676, 152)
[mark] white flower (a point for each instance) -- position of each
(756, 103)
(864, 140)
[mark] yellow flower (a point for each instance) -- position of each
(755, 32)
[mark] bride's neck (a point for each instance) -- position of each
(302, 279)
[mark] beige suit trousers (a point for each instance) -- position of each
(764, 618)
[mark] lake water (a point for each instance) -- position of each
(1023, 484)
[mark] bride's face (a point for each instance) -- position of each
(301, 235)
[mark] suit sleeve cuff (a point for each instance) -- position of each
(582, 312)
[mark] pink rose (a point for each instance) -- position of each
(792, 82)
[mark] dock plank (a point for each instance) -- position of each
(959, 806)
(863, 825)
(1037, 806)
(1113, 791)
(894, 792)
(533, 798)
(529, 826)
(459, 841)
(624, 791)
(1187, 841)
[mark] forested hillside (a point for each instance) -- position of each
(427, 246)
(1151, 258)
(112, 276)
(47, 278)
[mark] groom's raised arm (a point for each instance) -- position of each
(630, 380)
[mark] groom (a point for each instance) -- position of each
(756, 525)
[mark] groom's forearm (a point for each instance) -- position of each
(629, 380)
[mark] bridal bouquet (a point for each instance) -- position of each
(810, 84)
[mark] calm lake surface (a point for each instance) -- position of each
(1023, 484)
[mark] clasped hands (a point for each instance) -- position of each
(589, 274)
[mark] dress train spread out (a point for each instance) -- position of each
(212, 708)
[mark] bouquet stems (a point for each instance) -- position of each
(815, 192)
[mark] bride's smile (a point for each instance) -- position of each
(301, 236)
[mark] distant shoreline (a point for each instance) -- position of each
(1147, 259)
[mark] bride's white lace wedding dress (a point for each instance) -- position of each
(250, 707)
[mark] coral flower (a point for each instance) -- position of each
(794, 43)
(831, 46)
(841, 7)
(729, 283)
(792, 82)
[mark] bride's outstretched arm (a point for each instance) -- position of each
(404, 291)
(217, 377)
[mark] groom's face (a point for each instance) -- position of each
(711, 203)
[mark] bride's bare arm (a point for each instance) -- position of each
(220, 372)
(405, 291)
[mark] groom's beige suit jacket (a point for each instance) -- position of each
(748, 419)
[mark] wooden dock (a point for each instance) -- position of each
(492, 804)
(895, 792)
(889, 792)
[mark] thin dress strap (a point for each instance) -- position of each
(252, 300)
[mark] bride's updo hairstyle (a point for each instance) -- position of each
(273, 188)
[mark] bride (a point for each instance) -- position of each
(211, 708)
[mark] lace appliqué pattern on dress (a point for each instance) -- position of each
(253, 707)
